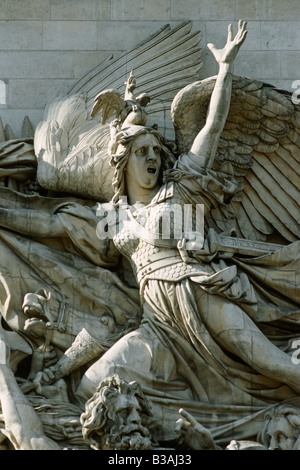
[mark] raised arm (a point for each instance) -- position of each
(206, 143)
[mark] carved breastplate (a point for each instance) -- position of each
(148, 238)
(140, 237)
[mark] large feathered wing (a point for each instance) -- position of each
(261, 144)
(71, 146)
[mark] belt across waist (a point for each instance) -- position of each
(157, 261)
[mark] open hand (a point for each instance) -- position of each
(231, 48)
(193, 434)
(130, 82)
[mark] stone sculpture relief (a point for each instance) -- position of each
(149, 239)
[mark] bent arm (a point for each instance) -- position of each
(206, 143)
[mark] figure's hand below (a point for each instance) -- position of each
(45, 377)
(193, 434)
(56, 391)
(228, 54)
(71, 427)
(40, 360)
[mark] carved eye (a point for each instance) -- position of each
(123, 413)
(141, 151)
(104, 320)
(108, 323)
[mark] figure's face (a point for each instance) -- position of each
(127, 432)
(144, 163)
(281, 435)
(128, 408)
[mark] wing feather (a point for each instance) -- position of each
(259, 197)
(245, 224)
(259, 222)
(171, 56)
(283, 177)
(261, 140)
(162, 64)
(288, 162)
(274, 211)
(279, 199)
(110, 102)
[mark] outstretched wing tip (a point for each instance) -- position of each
(261, 142)
(163, 63)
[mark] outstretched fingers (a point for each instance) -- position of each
(242, 32)
(231, 48)
(230, 33)
(188, 417)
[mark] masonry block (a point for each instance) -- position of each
(24, 94)
(290, 61)
(21, 35)
(258, 64)
(268, 10)
(36, 64)
(203, 9)
(112, 34)
(25, 9)
(280, 35)
(134, 10)
(87, 10)
(70, 35)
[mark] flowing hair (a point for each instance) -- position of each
(99, 409)
(290, 413)
(119, 159)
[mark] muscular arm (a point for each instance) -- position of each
(20, 418)
(206, 143)
(32, 223)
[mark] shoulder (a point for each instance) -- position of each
(166, 191)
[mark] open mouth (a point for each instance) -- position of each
(151, 170)
(32, 321)
(33, 309)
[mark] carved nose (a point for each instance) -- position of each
(274, 444)
(134, 417)
(151, 155)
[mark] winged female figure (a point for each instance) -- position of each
(216, 321)
(217, 329)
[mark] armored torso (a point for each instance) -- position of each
(149, 238)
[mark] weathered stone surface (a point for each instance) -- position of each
(25, 10)
(62, 35)
(21, 35)
(113, 26)
(149, 240)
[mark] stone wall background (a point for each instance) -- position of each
(47, 45)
